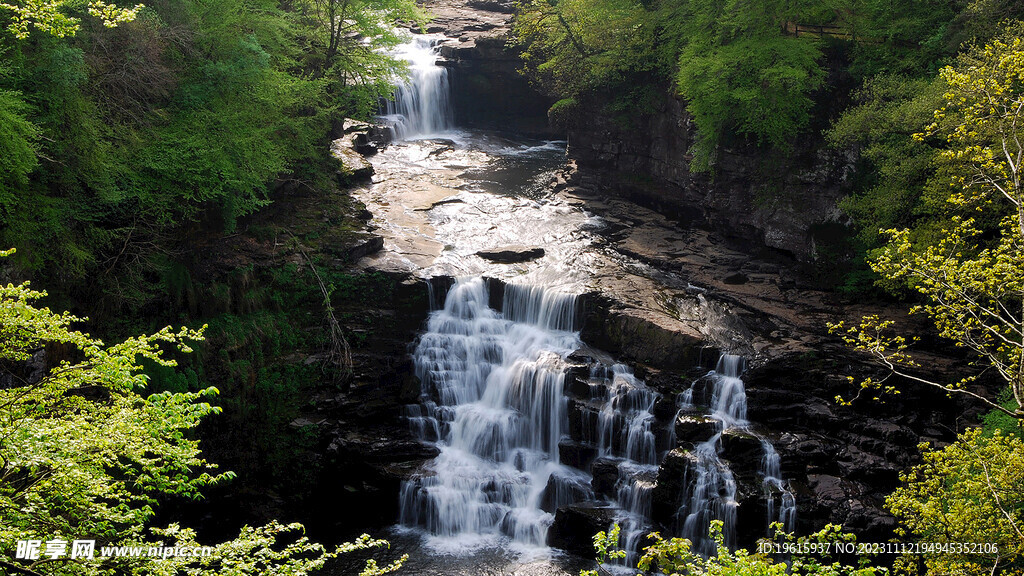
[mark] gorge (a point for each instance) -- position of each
(542, 437)
(510, 285)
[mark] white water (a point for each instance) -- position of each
(421, 106)
(492, 385)
(710, 483)
(493, 391)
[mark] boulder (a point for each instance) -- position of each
(575, 525)
(511, 254)
(606, 475)
(694, 429)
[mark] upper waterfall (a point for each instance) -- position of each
(421, 106)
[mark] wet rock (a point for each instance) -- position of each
(576, 454)
(353, 166)
(643, 335)
(561, 491)
(370, 245)
(582, 420)
(694, 429)
(742, 449)
(511, 254)
(575, 525)
(606, 474)
(669, 491)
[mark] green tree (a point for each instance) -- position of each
(972, 284)
(968, 492)
(86, 452)
(741, 74)
(52, 16)
(352, 38)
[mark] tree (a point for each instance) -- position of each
(740, 74)
(968, 492)
(51, 16)
(971, 280)
(353, 37)
(86, 452)
(971, 285)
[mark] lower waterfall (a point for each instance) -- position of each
(495, 372)
(492, 386)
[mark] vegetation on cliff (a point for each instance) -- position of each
(90, 448)
(746, 70)
(124, 145)
(968, 273)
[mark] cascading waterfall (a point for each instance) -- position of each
(711, 484)
(421, 106)
(492, 398)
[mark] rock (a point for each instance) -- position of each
(606, 474)
(511, 254)
(370, 245)
(575, 525)
(736, 278)
(563, 491)
(670, 488)
(354, 167)
(694, 429)
(576, 454)
(742, 449)
(645, 336)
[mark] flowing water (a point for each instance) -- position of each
(496, 359)
(421, 106)
(711, 485)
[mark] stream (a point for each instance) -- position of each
(522, 411)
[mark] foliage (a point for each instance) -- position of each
(87, 452)
(17, 144)
(740, 74)
(890, 110)
(968, 491)
(576, 46)
(124, 147)
(972, 283)
(674, 556)
(731, 61)
(361, 72)
(50, 16)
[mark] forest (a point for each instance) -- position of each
(218, 330)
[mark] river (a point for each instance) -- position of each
(519, 407)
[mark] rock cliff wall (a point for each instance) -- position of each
(756, 197)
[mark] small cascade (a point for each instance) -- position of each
(711, 485)
(625, 437)
(775, 488)
(493, 401)
(421, 106)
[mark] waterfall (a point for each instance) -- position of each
(421, 106)
(492, 399)
(710, 483)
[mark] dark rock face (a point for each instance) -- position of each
(756, 197)
(487, 89)
(843, 461)
(575, 526)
